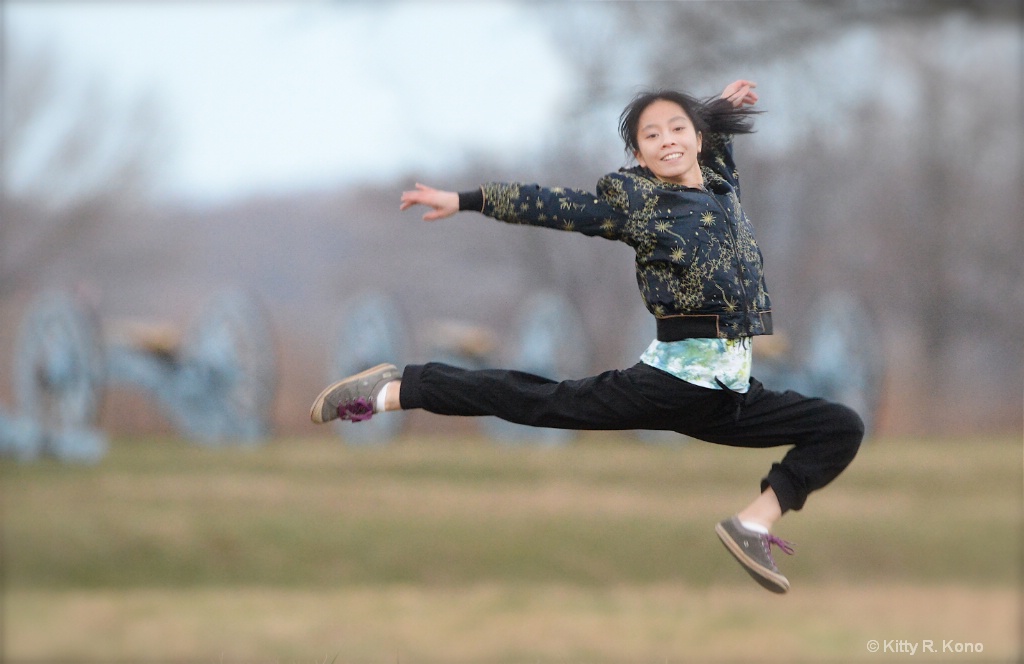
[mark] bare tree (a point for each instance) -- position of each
(74, 160)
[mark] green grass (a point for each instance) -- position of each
(602, 533)
(315, 512)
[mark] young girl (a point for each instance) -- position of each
(699, 270)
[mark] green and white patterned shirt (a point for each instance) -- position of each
(701, 361)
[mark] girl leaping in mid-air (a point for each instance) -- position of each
(700, 272)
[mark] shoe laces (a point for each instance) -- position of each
(769, 539)
(357, 410)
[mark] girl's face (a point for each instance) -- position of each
(669, 145)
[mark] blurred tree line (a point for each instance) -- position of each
(897, 178)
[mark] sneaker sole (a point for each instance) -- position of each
(767, 578)
(316, 411)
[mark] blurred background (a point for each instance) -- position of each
(159, 152)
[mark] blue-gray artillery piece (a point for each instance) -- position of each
(551, 343)
(58, 376)
(841, 357)
(215, 384)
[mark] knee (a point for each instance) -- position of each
(848, 431)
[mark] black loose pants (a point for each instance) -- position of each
(825, 436)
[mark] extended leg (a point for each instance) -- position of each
(607, 401)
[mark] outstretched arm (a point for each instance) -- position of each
(602, 215)
(442, 203)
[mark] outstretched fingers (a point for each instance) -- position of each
(415, 197)
(443, 203)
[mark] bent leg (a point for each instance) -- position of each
(825, 438)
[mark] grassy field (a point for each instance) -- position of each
(461, 550)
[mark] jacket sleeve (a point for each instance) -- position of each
(602, 215)
(717, 163)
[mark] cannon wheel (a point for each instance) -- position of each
(229, 353)
(372, 331)
(59, 366)
(845, 358)
(552, 344)
(59, 378)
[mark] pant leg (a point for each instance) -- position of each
(608, 401)
(825, 437)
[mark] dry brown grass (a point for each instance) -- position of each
(503, 623)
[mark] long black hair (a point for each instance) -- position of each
(711, 115)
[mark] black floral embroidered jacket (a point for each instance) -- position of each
(698, 265)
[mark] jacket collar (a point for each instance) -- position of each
(647, 174)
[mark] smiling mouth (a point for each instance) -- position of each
(673, 156)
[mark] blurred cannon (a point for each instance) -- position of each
(215, 382)
(58, 376)
(371, 332)
(551, 343)
(842, 358)
(460, 343)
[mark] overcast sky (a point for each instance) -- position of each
(274, 95)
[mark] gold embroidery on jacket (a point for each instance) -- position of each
(682, 262)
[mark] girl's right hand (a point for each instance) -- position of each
(444, 203)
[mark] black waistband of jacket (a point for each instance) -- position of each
(704, 326)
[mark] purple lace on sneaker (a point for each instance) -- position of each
(768, 540)
(357, 411)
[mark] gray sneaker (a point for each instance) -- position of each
(352, 398)
(753, 550)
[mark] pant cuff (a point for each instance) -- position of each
(782, 484)
(409, 395)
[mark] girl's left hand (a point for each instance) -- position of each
(740, 93)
